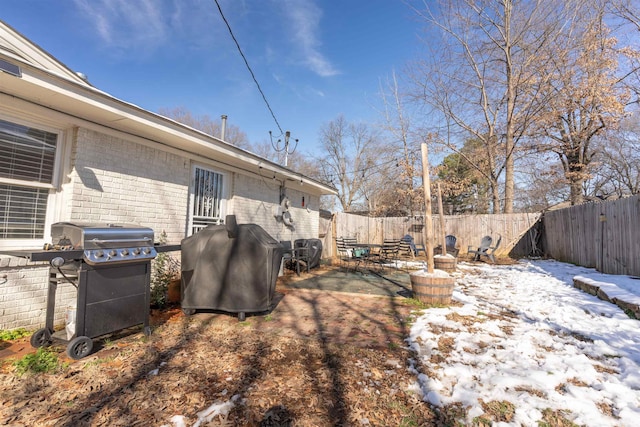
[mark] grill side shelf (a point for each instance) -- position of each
(167, 248)
(45, 255)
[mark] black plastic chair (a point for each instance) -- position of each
(289, 256)
(302, 251)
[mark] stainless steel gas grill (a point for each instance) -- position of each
(106, 244)
(110, 265)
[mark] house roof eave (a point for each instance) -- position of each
(57, 92)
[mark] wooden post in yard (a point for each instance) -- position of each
(443, 235)
(428, 229)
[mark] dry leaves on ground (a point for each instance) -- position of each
(320, 359)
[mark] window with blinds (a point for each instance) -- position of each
(27, 162)
(207, 199)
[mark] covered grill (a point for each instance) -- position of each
(231, 268)
(110, 265)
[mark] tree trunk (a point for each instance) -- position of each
(511, 102)
(495, 196)
(575, 187)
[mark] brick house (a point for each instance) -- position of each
(70, 152)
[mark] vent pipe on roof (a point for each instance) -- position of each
(223, 127)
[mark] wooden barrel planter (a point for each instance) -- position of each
(432, 288)
(446, 263)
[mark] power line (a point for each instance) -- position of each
(373, 168)
(248, 67)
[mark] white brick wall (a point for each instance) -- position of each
(112, 180)
(115, 180)
(23, 297)
(256, 201)
(124, 182)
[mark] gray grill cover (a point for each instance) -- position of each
(234, 274)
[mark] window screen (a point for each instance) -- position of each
(22, 212)
(27, 157)
(26, 153)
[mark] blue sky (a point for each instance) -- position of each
(313, 59)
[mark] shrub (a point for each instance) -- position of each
(165, 269)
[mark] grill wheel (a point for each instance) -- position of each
(79, 347)
(41, 338)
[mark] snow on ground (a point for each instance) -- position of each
(525, 335)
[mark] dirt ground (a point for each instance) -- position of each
(320, 358)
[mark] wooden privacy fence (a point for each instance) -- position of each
(605, 236)
(516, 230)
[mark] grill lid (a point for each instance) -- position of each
(105, 242)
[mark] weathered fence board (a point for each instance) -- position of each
(605, 236)
(468, 229)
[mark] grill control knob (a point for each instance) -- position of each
(136, 251)
(124, 252)
(146, 251)
(99, 254)
(113, 253)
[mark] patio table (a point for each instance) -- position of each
(364, 251)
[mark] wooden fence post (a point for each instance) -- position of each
(428, 229)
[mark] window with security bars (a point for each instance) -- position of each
(207, 199)
(27, 162)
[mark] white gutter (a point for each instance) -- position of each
(77, 99)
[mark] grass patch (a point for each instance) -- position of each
(412, 302)
(409, 419)
(99, 361)
(481, 422)
(451, 415)
(499, 410)
(42, 361)
(551, 418)
(13, 334)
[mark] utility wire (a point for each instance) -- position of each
(248, 67)
(373, 168)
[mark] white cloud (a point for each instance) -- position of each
(304, 18)
(127, 24)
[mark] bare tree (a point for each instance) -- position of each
(479, 82)
(619, 155)
(233, 134)
(349, 159)
(404, 195)
(585, 96)
(541, 183)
